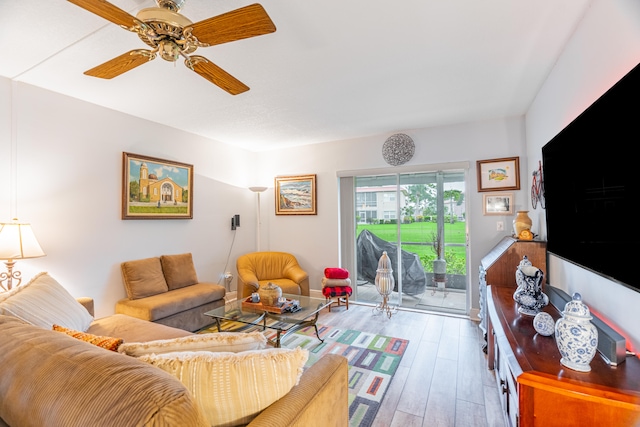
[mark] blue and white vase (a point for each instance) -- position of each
(529, 295)
(576, 336)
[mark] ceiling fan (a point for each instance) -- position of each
(172, 35)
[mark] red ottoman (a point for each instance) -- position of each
(341, 292)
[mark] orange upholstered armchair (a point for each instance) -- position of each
(258, 268)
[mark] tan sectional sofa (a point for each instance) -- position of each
(50, 378)
(166, 290)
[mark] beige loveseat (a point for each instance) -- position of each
(166, 290)
(48, 378)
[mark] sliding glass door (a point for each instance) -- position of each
(419, 219)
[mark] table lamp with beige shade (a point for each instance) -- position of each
(17, 241)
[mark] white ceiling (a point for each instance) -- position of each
(333, 70)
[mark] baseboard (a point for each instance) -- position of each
(314, 293)
(611, 345)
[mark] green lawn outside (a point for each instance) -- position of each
(417, 236)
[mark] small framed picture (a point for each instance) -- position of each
(497, 204)
(295, 195)
(155, 188)
(498, 174)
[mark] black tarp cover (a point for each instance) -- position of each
(370, 248)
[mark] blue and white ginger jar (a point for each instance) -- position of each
(576, 336)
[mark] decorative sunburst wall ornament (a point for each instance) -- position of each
(398, 149)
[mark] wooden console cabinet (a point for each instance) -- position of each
(498, 268)
(537, 390)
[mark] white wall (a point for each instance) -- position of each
(5, 148)
(314, 239)
(69, 177)
(69, 184)
(603, 49)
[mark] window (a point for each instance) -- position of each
(367, 199)
(414, 207)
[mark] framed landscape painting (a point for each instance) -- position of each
(498, 174)
(155, 188)
(295, 195)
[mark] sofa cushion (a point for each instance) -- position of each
(43, 302)
(232, 388)
(168, 303)
(178, 270)
(143, 278)
(51, 379)
(233, 342)
(108, 343)
(131, 329)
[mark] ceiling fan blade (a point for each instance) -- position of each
(121, 64)
(215, 74)
(107, 11)
(242, 23)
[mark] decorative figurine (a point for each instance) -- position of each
(529, 295)
(543, 324)
(269, 294)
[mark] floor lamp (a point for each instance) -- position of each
(258, 190)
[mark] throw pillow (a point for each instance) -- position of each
(178, 270)
(43, 302)
(143, 278)
(108, 343)
(233, 388)
(226, 341)
(326, 282)
(336, 273)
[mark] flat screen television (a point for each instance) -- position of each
(592, 182)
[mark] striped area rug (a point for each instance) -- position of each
(373, 360)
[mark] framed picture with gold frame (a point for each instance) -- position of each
(154, 188)
(295, 195)
(498, 174)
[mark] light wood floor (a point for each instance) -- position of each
(442, 379)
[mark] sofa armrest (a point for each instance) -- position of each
(247, 283)
(247, 276)
(87, 302)
(321, 398)
(296, 273)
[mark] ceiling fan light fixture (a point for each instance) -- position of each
(169, 50)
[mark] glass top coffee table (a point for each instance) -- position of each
(283, 323)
